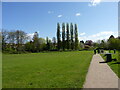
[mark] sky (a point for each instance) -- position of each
(96, 20)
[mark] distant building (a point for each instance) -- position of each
(89, 42)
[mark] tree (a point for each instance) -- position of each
(118, 44)
(17, 40)
(29, 46)
(68, 37)
(95, 44)
(63, 36)
(76, 37)
(58, 36)
(71, 33)
(114, 43)
(50, 44)
(4, 39)
(48, 41)
(54, 42)
(36, 43)
(111, 37)
(42, 43)
(21, 37)
(103, 44)
(11, 38)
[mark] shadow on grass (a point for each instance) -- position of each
(116, 63)
(103, 62)
(111, 61)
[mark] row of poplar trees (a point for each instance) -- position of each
(68, 37)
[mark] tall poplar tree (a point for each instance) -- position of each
(58, 36)
(68, 37)
(63, 36)
(76, 37)
(71, 34)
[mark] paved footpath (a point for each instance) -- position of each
(100, 75)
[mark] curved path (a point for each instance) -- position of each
(100, 75)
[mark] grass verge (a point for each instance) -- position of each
(114, 65)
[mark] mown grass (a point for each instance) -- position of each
(46, 70)
(114, 65)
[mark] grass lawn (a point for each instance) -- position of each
(46, 70)
(114, 65)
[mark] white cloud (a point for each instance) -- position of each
(81, 34)
(50, 12)
(99, 36)
(94, 2)
(60, 16)
(77, 14)
(103, 33)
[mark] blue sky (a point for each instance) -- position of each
(95, 20)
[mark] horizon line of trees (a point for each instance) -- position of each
(17, 41)
(111, 43)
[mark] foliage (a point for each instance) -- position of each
(12, 41)
(54, 42)
(36, 43)
(63, 36)
(114, 43)
(58, 36)
(76, 37)
(111, 43)
(71, 33)
(68, 37)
